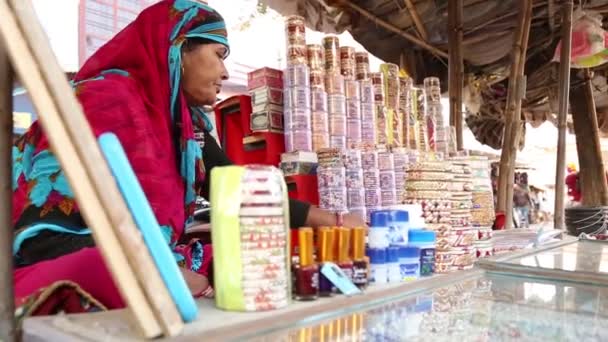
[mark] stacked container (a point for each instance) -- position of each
(401, 160)
(437, 132)
(368, 113)
(297, 114)
(250, 236)
(482, 213)
(331, 177)
(296, 94)
(382, 125)
(388, 192)
(455, 243)
(394, 119)
(320, 120)
(361, 66)
(405, 108)
(418, 97)
(266, 90)
(353, 113)
(355, 192)
(371, 180)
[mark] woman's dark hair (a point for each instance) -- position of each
(192, 44)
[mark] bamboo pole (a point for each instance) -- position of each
(513, 113)
(564, 95)
(393, 28)
(592, 175)
(7, 308)
(417, 21)
(456, 72)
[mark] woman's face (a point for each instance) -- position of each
(203, 73)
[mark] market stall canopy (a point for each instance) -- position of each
(386, 28)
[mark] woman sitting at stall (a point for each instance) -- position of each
(147, 86)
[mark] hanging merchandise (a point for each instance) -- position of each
(250, 232)
(295, 31)
(589, 41)
(362, 65)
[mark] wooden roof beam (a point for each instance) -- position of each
(370, 16)
(417, 21)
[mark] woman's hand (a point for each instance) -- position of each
(353, 221)
(197, 283)
(319, 217)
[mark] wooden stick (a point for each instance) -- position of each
(417, 21)
(7, 299)
(551, 15)
(393, 28)
(456, 72)
(78, 153)
(592, 174)
(564, 94)
(129, 236)
(513, 114)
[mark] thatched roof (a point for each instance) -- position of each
(488, 27)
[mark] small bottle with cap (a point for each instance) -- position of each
(325, 249)
(306, 278)
(394, 272)
(343, 247)
(360, 265)
(377, 258)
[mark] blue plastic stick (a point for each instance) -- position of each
(146, 222)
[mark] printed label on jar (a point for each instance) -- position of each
(409, 271)
(359, 276)
(427, 261)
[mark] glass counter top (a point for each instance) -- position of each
(484, 308)
(581, 256)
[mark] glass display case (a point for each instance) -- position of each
(543, 294)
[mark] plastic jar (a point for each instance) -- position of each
(399, 226)
(378, 232)
(394, 271)
(379, 269)
(425, 240)
(409, 262)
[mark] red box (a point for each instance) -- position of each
(232, 119)
(268, 77)
(303, 188)
(263, 148)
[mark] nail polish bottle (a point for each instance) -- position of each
(325, 249)
(360, 266)
(306, 271)
(343, 248)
